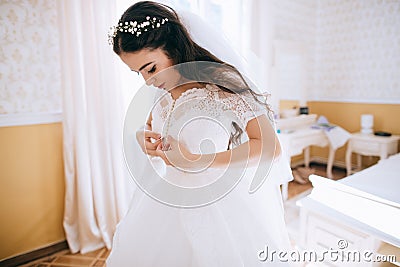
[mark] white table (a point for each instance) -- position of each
(297, 136)
(294, 143)
(370, 145)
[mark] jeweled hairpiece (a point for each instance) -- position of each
(135, 27)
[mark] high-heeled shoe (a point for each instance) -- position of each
(305, 172)
(298, 178)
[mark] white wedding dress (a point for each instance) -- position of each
(232, 230)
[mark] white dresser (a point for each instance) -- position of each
(361, 211)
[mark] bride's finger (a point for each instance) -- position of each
(160, 153)
(159, 146)
(150, 134)
(166, 147)
(152, 146)
(178, 146)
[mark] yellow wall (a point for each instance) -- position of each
(288, 104)
(347, 115)
(31, 188)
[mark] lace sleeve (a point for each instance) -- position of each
(244, 106)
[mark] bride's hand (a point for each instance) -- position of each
(175, 154)
(148, 141)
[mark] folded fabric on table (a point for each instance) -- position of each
(323, 124)
(336, 135)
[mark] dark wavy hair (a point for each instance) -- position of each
(174, 39)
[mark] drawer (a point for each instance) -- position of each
(306, 141)
(323, 234)
(392, 149)
(327, 233)
(365, 147)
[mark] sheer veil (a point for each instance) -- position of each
(215, 42)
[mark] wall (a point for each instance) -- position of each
(31, 165)
(352, 49)
(357, 51)
(29, 58)
(31, 188)
(355, 67)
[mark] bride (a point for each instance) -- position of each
(207, 160)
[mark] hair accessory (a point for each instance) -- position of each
(135, 27)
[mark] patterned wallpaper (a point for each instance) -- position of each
(358, 51)
(295, 20)
(355, 47)
(30, 80)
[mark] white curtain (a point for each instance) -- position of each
(98, 188)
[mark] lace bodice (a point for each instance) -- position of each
(201, 114)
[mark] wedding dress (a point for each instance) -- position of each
(230, 231)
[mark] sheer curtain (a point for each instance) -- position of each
(98, 187)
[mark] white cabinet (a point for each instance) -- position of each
(342, 243)
(370, 145)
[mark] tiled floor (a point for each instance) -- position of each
(98, 258)
(66, 259)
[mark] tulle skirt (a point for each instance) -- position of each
(233, 231)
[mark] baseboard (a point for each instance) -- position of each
(297, 163)
(34, 255)
(320, 160)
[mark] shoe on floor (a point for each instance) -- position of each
(298, 178)
(305, 172)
